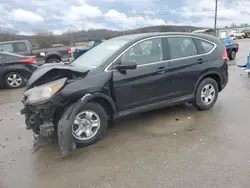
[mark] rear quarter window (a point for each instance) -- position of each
(203, 46)
(207, 46)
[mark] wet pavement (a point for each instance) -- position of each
(172, 147)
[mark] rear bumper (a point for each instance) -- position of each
(225, 75)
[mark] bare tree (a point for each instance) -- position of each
(44, 39)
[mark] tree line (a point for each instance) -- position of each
(46, 39)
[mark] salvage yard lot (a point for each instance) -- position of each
(173, 147)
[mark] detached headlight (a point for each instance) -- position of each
(44, 92)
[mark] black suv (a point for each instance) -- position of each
(124, 75)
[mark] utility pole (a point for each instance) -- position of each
(215, 17)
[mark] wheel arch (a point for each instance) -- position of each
(53, 55)
(105, 101)
(212, 74)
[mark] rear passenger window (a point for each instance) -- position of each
(19, 47)
(207, 46)
(181, 47)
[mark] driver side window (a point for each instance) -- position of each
(148, 51)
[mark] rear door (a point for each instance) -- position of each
(185, 65)
(145, 84)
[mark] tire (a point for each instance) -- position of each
(199, 101)
(232, 55)
(14, 80)
(98, 132)
(53, 60)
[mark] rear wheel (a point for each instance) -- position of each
(206, 94)
(89, 125)
(54, 60)
(232, 55)
(14, 80)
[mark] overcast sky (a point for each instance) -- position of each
(28, 16)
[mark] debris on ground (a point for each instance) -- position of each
(175, 134)
(6, 139)
(191, 129)
(189, 118)
(19, 137)
(177, 119)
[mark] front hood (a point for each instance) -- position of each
(49, 72)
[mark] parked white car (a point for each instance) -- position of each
(238, 35)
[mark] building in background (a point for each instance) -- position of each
(206, 31)
(228, 31)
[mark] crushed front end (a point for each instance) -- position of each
(40, 118)
(43, 114)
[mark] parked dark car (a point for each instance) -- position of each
(46, 55)
(231, 46)
(121, 76)
(15, 69)
(79, 51)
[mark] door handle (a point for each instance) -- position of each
(161, 70)
(200, 61)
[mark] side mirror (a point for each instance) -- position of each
(126, 65)
(42, 54)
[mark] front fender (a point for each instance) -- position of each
(65, 137)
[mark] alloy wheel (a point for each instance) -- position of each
(86, 125)
(207, 94)
(14, 80)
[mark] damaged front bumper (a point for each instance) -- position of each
(50, 119)
(40, 118)
(44, 120)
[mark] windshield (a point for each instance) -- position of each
(99, 54)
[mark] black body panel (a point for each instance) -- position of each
(163, 82)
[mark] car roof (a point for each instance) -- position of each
(13, 41)
(140, 36)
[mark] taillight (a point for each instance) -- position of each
(29, 61)
(224, 53)
(69, 51)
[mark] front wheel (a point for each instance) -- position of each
(89, 125)
(206, 94)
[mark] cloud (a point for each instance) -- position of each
(83, 11)
(201, 12)
(122, 21)
(138, 4)
(25, 16)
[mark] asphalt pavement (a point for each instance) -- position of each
(174, 147)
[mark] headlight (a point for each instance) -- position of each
(44, 92)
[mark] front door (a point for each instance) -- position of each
(143, 85)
